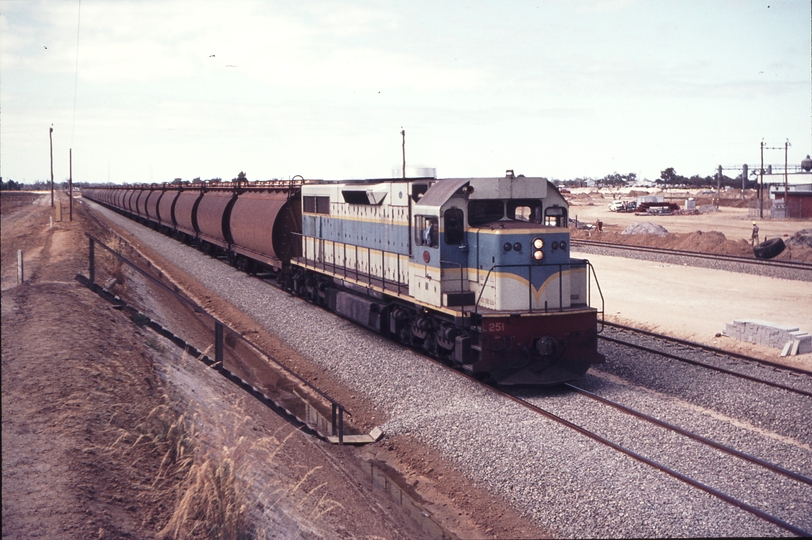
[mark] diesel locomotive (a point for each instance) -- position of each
(476, 272)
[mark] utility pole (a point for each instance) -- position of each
(761, 184)
(718, 185)
(403, 147)
(786, 181)
(51, 138)
(70, 186)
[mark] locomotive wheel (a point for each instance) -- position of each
(769, 248)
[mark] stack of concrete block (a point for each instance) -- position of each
(789, 339)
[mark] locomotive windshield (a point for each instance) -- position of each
(524, 210)
(487, 210)
(484, 211)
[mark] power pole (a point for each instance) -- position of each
(718, 185)
(51, 138)
(786, 189)
(761, 184)
(403, 147)
(70, 186)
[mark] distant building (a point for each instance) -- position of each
(798, 203)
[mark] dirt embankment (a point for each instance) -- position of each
(81, 402)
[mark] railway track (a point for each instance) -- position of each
(804, 268)
(539, 405)
(714, 351)
(766, 515)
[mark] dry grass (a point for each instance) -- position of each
(215, 474)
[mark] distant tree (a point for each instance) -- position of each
(668, 175)
(613, 179)
(242, 177)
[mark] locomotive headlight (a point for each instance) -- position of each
(538, 255)
(538, 243)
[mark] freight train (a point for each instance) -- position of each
(476, 272)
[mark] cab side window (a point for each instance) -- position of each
(453, 226)
(555, 216)
(426, 230)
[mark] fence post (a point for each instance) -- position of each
(218, 342)
(341, 425)
(92, 260)
(334, 418)
(20, 274)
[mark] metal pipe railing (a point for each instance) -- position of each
(219, 328)
(396, 282)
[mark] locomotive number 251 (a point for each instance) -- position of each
(495, 327)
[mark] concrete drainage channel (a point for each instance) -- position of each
(384, 477)
(240, 360)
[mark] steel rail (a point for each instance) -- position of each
(708, 348)
(634, 455)
(708, 366)
(797, 265)
(712, 367)
(704, 440)
(671, 472)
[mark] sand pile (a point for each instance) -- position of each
(646, 227)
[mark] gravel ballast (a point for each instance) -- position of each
(563, 481)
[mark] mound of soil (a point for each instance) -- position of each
(699, 241)
(646, 227)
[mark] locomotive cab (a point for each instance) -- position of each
(501, 243)
(502, 256)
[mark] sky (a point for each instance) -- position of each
(153, 90)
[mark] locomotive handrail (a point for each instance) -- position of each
(335, 267)
(593, 274)
(573, 263)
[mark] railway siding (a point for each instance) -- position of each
(799, 272)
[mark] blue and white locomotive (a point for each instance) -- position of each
(474, 271)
